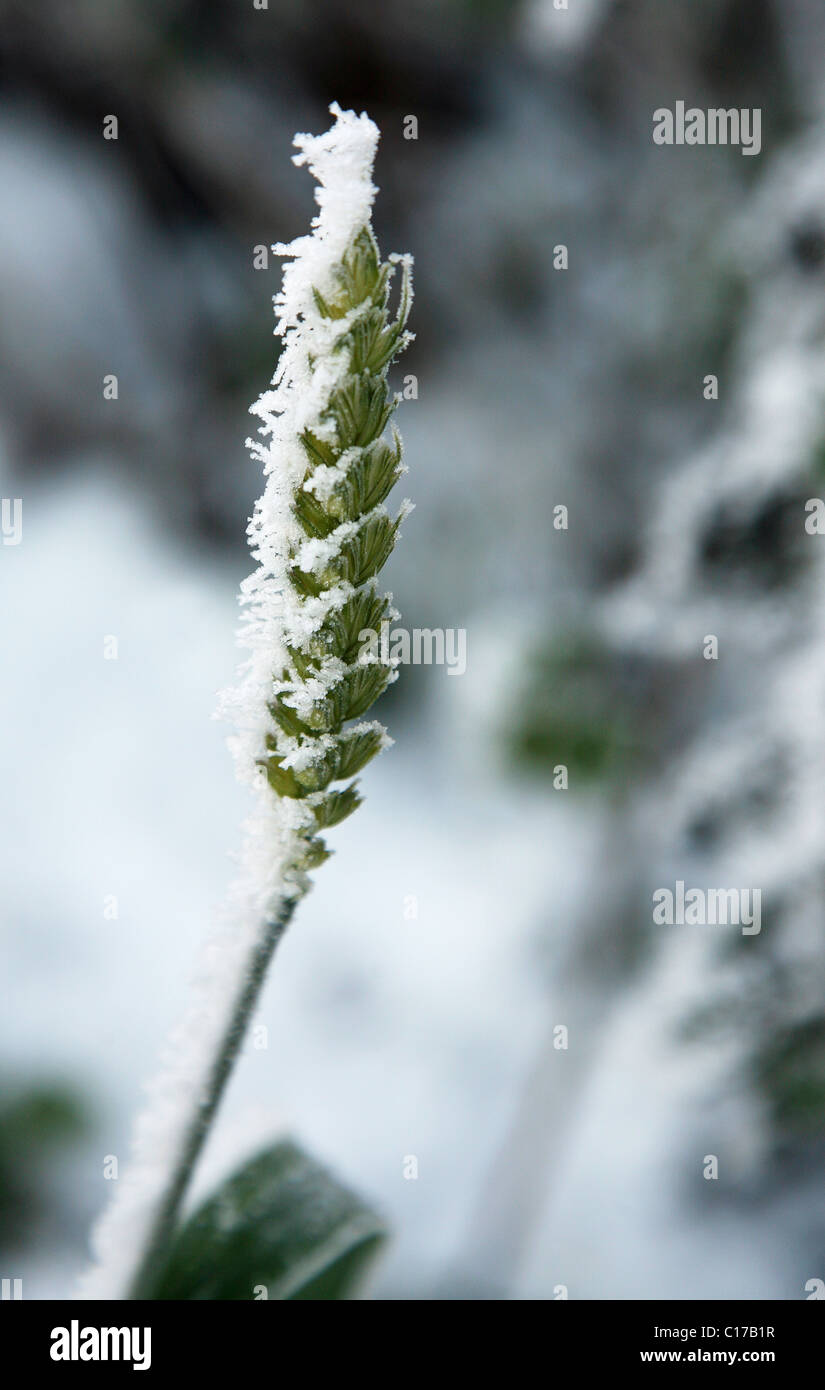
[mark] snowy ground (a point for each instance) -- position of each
(389, 1035)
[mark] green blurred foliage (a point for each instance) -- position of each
(572, 711)
(790, 1069)
(36, 1123)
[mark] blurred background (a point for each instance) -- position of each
(472, 907)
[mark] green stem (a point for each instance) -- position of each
(146, 1274)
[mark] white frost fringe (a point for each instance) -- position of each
(308, 370)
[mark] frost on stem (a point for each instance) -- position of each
(321, 531)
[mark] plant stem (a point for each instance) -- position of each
(195, 1136)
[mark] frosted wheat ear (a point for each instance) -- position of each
(320, 533)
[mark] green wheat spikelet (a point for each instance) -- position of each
(348, 535)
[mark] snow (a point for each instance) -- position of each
(387, 1035)
(341, 160)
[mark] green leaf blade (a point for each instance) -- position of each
(281, 1223)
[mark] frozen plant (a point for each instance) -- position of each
(320, 534)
